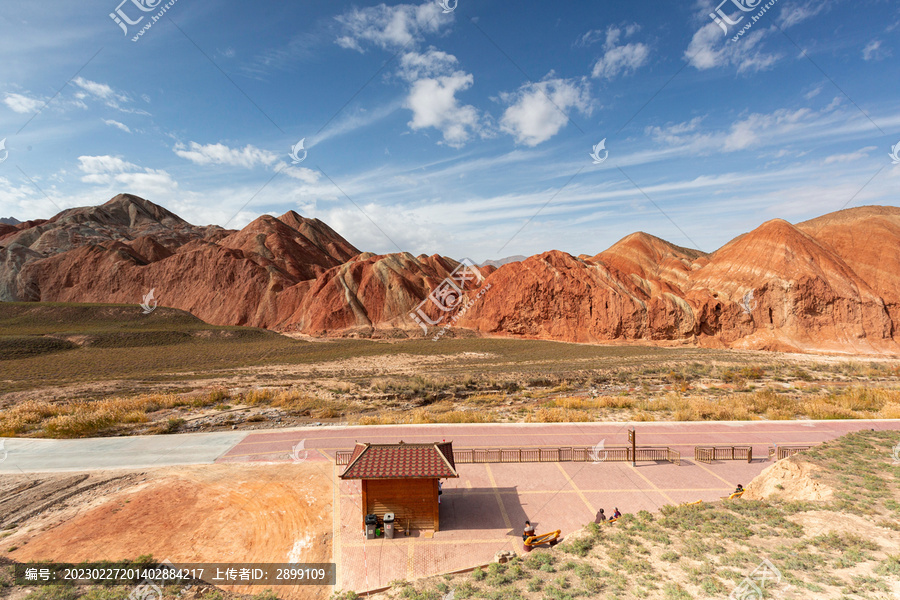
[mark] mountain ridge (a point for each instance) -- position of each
(823, 285)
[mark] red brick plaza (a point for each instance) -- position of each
(483, 511)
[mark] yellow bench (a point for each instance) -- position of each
(545, 538)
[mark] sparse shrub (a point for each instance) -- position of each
(53, 592)
(172, 425)
(670, 556)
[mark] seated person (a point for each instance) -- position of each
(529, 531)
(616, 514)
(739, 489)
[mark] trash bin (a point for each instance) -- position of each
(371, 523)
(389, 526)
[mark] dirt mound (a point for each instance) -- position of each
(264, 513)
(789, 479)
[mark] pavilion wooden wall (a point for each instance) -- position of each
(412, 499)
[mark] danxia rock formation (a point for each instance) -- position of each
(826, 285)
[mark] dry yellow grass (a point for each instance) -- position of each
(485, 398)
(82, 418)
(851, 403)
(421, 416)
(558, 415)
(595, 403)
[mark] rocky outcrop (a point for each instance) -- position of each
(828, 284)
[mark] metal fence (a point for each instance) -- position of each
(707, 454)
(529, 455)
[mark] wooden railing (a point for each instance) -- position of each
(707, 454)
(531, 455)
(786, 451)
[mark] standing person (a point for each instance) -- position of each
(529, 531)
(601, 516)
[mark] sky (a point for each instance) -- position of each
(467, 129)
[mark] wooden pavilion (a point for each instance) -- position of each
(402, 479)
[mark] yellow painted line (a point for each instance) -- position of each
(284, 452)
(577, 491)
(410, 564)
(444, 542)
(467, 492)
(468, 484)
(713, 474)
(506, 520)
(641, 475)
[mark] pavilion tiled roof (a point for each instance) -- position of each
(401, 461)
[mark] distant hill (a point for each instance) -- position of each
(9, 221)
(825, 285)
(503, 261)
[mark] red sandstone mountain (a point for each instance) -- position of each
(828, 284)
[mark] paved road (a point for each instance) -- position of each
(682, 436)
(38, 455)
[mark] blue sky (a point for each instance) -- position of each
(466, 133)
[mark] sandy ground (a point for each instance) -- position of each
(263, 513)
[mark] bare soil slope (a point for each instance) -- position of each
(206, 513)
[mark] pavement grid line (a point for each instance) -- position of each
(497, 495)
(575, 488)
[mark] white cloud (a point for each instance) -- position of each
(105, 94)
(100, 90)
(112, 171)
(415, 65)
(874, 51)
(103, 165)
(710, 48)
(388, 26)
(434, 83)
(538, 111)
(301, 173)
(792, 14)
(433, 76)
(219, 154)
(814, 92)
(843, 158)
(117, 124)
(591, 37)
(352, 120)
(433, 103)
(247, 157)
(754, 130)
(620, 58)
(23, 104)
(85, 90)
